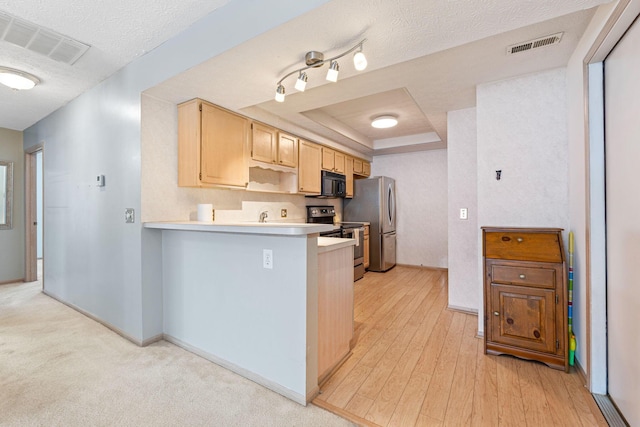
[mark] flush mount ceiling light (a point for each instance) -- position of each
(384, 122)
(316, 59)
(16, 79)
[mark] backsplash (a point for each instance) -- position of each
(163, 200)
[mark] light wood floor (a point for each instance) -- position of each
(417, 363)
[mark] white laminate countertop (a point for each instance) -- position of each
(328, 244)
(281, 228)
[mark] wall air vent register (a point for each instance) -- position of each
(534, 44)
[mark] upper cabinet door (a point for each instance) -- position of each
(328, 159)
(338, 160)
(264, 143)
(287, 150)
(309, 166)
(223, 147)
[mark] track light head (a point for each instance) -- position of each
(301, 83)
(332, 73)
(280, 93)
(359, 60)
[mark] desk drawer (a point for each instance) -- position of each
(534, 277)
(543, 247)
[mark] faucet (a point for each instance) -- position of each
(263, 216)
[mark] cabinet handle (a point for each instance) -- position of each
(496, 313)
(522, 276)
(519, 239)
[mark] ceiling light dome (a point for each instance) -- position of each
(17, 80)
(384, 122)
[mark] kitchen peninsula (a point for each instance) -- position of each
(227, 298)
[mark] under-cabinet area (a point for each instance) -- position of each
(525, 294)
(220, 148)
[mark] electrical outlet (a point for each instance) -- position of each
(283, 213)
(267, 258)
(464, 213)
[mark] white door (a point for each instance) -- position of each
(622, 153)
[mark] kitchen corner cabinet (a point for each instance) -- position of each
(268, 145)
(525, 294)
(309, 167)
(212, 146)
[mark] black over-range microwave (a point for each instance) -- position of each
(333, 185)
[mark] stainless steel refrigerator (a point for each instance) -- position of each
(374, 201)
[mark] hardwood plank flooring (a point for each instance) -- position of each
(416, 363)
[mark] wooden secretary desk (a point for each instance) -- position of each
(525, 294)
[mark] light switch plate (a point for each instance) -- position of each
(464, 213)
(129, 215)
(267, 258)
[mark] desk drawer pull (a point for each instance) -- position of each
(496, 313)
(522, 276)
(520, 239)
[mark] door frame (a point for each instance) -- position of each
(30, 212)
(620, 19)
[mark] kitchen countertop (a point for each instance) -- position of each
(327, 244)
(283, 228)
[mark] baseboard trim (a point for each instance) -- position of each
(424, 267)
(344, 414)
(581, 372)
(153, 339)
(97, 319)
(9, 282)
(462, 309)
(252, 376)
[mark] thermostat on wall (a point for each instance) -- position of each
(100, 180)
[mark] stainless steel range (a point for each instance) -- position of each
(347, 230)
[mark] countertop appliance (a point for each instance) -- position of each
(374, 201)
(326, 215)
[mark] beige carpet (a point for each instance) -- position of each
(60, 368)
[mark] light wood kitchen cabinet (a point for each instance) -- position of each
(366, 246)
(309, 167)
(264, 143)
(525, 294)
(348, 171)
(212, 146)
(269, 145)
(287, 150)
(333, 160)
(335, 308)
(357, 166)
(361, 168)
(366, 169)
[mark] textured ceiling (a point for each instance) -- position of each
(435, 52)
(118, 32)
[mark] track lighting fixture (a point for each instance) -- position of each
(17, 80)
(314, 59)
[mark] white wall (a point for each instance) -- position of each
(522, 130)
(94, 260)
(12, 240)
(421, 211)
(463, 193)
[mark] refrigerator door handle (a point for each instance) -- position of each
(390, 204)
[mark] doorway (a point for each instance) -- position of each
(34, 213)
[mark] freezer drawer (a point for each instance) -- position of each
(388, 251)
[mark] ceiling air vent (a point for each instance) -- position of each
(40, 40)
(534, 44)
